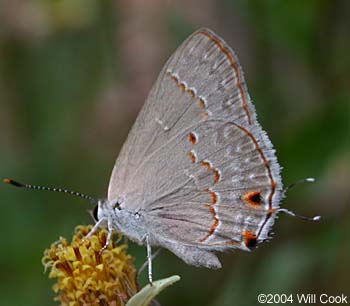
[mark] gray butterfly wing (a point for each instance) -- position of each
(196, 164)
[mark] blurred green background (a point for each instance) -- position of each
(73, 77)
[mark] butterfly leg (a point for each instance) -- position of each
(97, 225)
(145, 264)
(109, 235)
(149, 259)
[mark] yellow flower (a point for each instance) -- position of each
(87, 277)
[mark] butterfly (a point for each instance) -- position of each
(197, 174)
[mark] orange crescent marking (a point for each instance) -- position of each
(215, 223)
(182, 86)
(192, 138)
(214, 197)
(216, 172)
(201, 103)
(192, 157)
(235, 68)
(213, 226)
(190, 92)
(205, 164)
(216, 175)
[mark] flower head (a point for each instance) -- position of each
(85, 276)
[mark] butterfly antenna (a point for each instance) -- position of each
(305, 180)
(290, 213)
(63, 190)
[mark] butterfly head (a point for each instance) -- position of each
(105, 208)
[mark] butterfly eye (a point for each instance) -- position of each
(94, 213)
(117, 206)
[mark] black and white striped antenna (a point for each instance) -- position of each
(62, 190)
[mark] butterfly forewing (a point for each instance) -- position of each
(196, 162)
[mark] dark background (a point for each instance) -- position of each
(73, 77)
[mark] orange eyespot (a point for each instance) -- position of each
(249, 239)
(252, 198)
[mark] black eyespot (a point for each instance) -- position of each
(256, 198)
(94, 213)
(251, 243)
